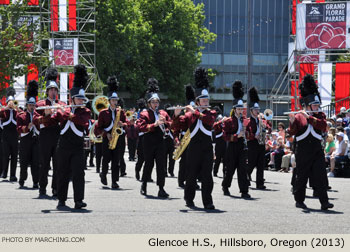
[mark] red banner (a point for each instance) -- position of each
(54, 15)
(71, 79)
(294, 16)
(5, 2)
(33, 73)
(72, 15)
(342, 85)
(33, 2)
(294, 87)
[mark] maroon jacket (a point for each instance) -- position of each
(252, 127)
(189, 120)
(300, 124)
(146, 122)
(5, 115)
(80, 118)
(230, 128)
(105, 120)
(23, 120)
(46, 120)
(218, 127)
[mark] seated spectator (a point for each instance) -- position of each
(282, 131)
(277, 154)
(340, 154)
(341, 129)
(339, 122)
(288, 152)
(332, 131)
(272, 143)
(329, 148)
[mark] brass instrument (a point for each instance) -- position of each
(268, 114)
(116, 131)
(92, 136)
(262, 132)
(57, 107)
(183, 145)
(183, 107)
(99, 103)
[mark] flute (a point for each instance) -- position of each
(194, 107)
(57, 107)
(296, 112)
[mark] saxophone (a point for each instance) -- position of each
(116, 131)
(185, 140)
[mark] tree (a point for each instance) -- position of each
(20, 39)
(139, 39)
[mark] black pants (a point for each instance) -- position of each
(48, 139)
(236, 160)
(310, 163)
(1, 164)
(140, 154)
(90, 153)
(29, 155)
(122, 163)
(182, 168)
(256, 155)
(9, 151)
(220, 149)
(132, 147)
(154, 149)
(98, 149)
(169, 150)
(70, 165)
(200, 164)
(111, 156)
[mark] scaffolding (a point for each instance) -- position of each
(281, 91)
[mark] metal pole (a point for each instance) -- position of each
(249, 44)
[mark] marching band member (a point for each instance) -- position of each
(74, 122)
(154, 123)
(169, 143)
(49, 133)
(106, 120)
(8, 116)
(29, 133)
(200, 149)
(310, 159)
(122, 164)
(220, 144)
(234, 134)
(141, 103)
(256, 141)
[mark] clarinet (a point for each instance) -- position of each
(162, 126)
(243, 128)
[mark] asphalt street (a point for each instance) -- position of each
(125, 211)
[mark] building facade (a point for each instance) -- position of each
(228, 55)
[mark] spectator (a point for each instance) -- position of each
(277, 154)
(288, 152)
(339, 122)
(330, 147)
(332, 131)
(340, 153)
(272, 144)
(282, 131)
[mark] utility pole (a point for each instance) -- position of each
(249, 45)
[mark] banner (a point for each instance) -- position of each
(63, 15)
(342, 85)
(323, 26)
(294, 88)
(325, 82)
(64, 52)
(29, 2)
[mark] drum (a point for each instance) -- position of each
(87, 143)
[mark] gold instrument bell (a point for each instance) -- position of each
(99, 103)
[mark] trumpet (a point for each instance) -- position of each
(183, 107)
(57, 107)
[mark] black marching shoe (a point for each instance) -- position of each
(103, 179)
(143, 190)
(13, 179)
(79, 205)
(326, 206)
(226, 191)
(189, 203)
(21, 184)
(162, 193)
(300, 205)
(61, 204)
(122, 174)
(209, 207)
(245, 195)
(261, 187)
(115, 185)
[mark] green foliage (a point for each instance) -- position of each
(139, 39)
(19, 46)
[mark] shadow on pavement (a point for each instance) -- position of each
(66, 209)
(200, 209)
(159, 198)
(311, 210)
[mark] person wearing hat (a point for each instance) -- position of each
(309, 155)
(29, 143)
(121, 139)
(256, 148)
(8, 116)
(154, 123)
(200, 156)
(104, 127)
(49, 132)
(234, 135)
(141, 104)
(74, 123)
(220, 144)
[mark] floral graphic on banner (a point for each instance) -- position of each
(64, 52)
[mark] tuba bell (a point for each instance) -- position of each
(268, 114)
(99, 103)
